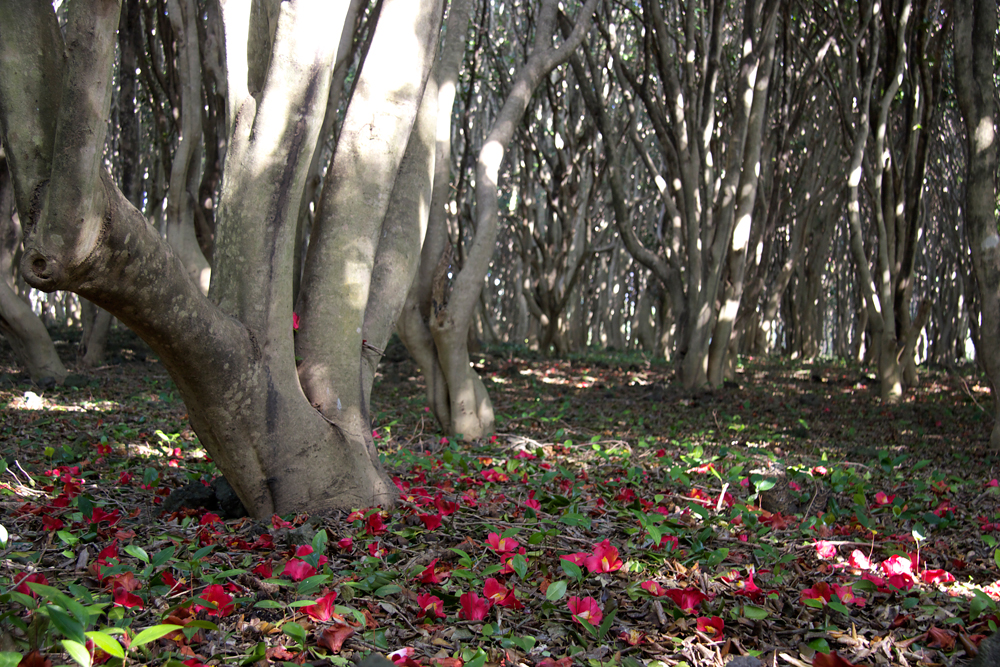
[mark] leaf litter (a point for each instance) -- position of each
(614, 519)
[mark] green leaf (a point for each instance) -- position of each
(588, 627)
(295, 631)
(66, 624)
(152, 633)
(293, 605)
(78, 651)
(571, 569)
(996, 557)
(319, 542)
(609, 618)
(575, 519)
(137, 552)
(465, 560)
(478, 661)
(556, 590)
(107, 643)
(10, 659)
(756, 613)
(268, 604)
(820, 645)
(258, 653)
(205, 625)
(201, 553)
(163, 556)
(66, 602)
(813, 602)
(26, 601)
(520, 565)
(388, 589)
(837, 605)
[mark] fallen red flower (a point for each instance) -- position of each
(711, 626)
(334, 637)
(686, 598)
(216, 595)
(473, 607)
(604, 558)
(585, 609)
(430, 604)
(830, 660)
(323, 609)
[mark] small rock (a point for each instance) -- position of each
(229, 503)
(45, 383)
(76, 380)
(744, 661)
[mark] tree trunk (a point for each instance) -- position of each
(975, 48)
(284, 444)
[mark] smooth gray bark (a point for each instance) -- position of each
(975, 49)
(279, 441)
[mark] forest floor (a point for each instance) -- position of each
(614, 519)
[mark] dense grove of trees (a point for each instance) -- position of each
(696, 180)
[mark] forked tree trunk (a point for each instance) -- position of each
(447, 315)
(284, 444)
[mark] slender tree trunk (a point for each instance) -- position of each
(975, 49)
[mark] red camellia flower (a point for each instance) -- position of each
(429, 575)
(897, 565)
(473, 607)
(494, 591)
(297, 570)
(36, 578)
(323, 609)
(100, 515)
(711, 626)
(883, 499)
(652, 588)
(50, 522)
(217, 595)
(585, 609)
(830, 660)
(668, 541)
(902, 582)
(859, 560)
(497, 594)
(430, 521)
(501, 545)
(686, 598)
(263, 569)
(345, 543)
(847, 596)
(820, 591)
(208, 519)
(374, 525)
(604, 558)
(124, 598)
(750, 589)
(825, 550)
(430, 604)
(937, 576)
